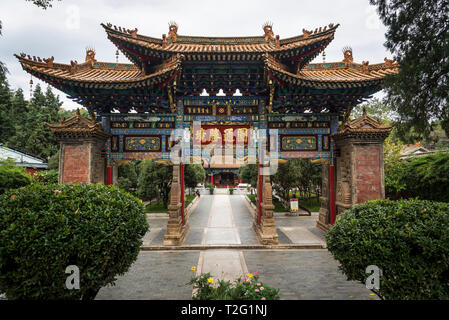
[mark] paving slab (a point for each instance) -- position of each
(155, 276)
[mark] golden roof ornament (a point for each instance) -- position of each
(172, 31)
(347, 55)
(365, 67)
(90, 55)
(268, 30)
(306, 33)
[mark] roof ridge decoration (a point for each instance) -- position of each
(175, 37)
(268, 30)
(78, 126)
(347, 55)
(363, 127)
(172, 31)
(90, 55)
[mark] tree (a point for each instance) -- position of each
(154, 181)
(6, 127)
(287, 177)
(418, 37)
(3, 69)
(193, 174)
(32, 133)
(381, 110)
(248, 174)
(127, 177)
(44, 4)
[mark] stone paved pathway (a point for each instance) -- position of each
(299, 274)
(227, 219)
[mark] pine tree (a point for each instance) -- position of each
(418, 36)
(6, 128)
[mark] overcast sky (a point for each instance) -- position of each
(66, 29)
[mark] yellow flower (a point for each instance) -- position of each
(193, 268)
(210, 280)
(13, 197)
(250, 275)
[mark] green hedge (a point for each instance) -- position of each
(425, 177)
(46, 227)
(407, 239)
(12, 177)
(46, 176)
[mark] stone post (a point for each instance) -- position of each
(175, 230)
(359, 165)
(266, 229)
(82, 144)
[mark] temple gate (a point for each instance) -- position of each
(274, 104)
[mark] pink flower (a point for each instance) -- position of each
(258, 283)
(263, 298)
(257, 272)
(257, 290)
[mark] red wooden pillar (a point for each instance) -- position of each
(182, 194)
(212, 178)
(259, 193)
(108, 175)
(332, 193)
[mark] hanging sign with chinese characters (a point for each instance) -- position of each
(221, 135)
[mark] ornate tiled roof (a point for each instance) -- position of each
(78, 126)
(363, 127)
(301, 48)
(332, 75)
(186, 44)
(94, 74)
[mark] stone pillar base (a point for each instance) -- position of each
(323, 226)
(266, 234)
(175, 236)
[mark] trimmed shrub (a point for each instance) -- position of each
(46, 176)
(45, 228)
(406, 239)
(12, 176)
(426, 177)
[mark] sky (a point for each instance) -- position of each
(65, 30)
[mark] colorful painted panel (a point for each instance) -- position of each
(142, 143)
(326, 144)
(299, 143)
(114, 143)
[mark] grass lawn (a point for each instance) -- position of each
(159, 207)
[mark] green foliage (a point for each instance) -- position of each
(31, 133)
(377, 109)
(210, 186)
(53, 162)
(46, 176)
(406, 239)
(248, 174)
(193, 174)
(154, 181)
(248, 288)
(45, 228)
(424, 177)
(127, 179)
(297, 173)
(418, 38)
(12, 176)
